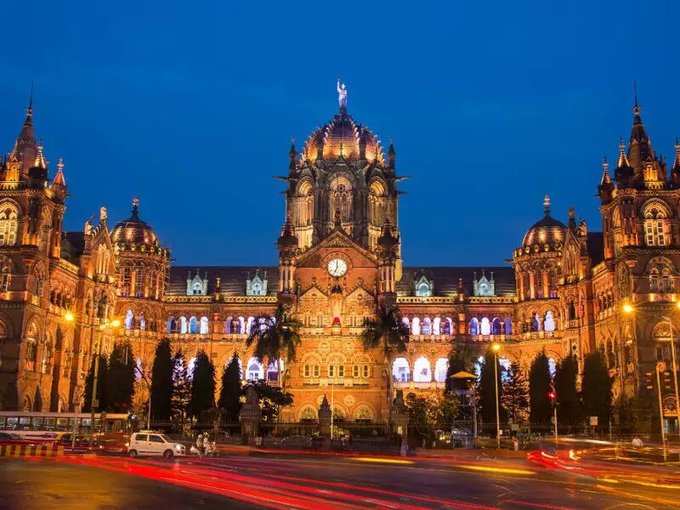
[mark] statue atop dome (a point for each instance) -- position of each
(342, 94)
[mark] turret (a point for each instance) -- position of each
(606, 185)
(675, 171)
(287, 244)
(388, 245)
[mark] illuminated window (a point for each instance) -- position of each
(255, 370)
(441, 367)
(8, 225)
(400, 370)
(654, 222)
(549, 322)
(421, 370)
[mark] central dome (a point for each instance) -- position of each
(342, 137)
(133, 230)
(546, 231)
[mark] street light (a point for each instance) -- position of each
(495, 347)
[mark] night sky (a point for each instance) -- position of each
(191, 107)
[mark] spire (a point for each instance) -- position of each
(606, 180)
(676, 162)
(640, 149)
(39, 161)
(25, 148)
(391, 156)
(59, 178)
(135, 208)
(546, 204)
(623, 159)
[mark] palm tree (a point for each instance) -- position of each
(386, 330)
(274, 337)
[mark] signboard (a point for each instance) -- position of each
(593, 421)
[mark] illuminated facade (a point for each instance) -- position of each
(339, 254)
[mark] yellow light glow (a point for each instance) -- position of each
(677, 304)
(115, 323)
(495, 347)
(492, 469)
(381, 460)
(68, 316)
(628, 308)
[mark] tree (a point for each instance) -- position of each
(271, 398)
(459, 361)
(274, 337)
(388, 332)
(540, 406)
(431, 413)
(161, 382)
(181, 389)
(515, 398)
(202, 385)
(487, 390)
(121, 378)
(230, 392)
(101, 385)
(596, 389)
(569, 407)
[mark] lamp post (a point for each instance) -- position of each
(495, 347)
(660, 366)
(675, 374)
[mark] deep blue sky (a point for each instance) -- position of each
(192, 106)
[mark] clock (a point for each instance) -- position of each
(337, 267)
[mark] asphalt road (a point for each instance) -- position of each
(324, 482)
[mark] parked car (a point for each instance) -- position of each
(153, 443)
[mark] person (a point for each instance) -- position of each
(637, 442)
(200, 443)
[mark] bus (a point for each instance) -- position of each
(53, 426)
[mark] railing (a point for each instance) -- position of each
(412, 385)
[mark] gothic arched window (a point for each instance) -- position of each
(8, 224)
(341, 199)
(5, 273)
(655, 219)
(400, 370)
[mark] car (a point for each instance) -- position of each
(148, 442)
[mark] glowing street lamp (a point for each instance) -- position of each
(68, 316)
(628, 308)
(495, 347)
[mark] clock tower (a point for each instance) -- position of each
(339, 257)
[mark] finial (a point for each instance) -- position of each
(342, 95)
(60, 164)
(605, 164)
(546, 204)
(29, 110)
(103, 215)
(135, 207)
(40, 158)
(636, 104)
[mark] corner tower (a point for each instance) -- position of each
(342, 174)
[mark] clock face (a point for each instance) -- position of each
(337, 267)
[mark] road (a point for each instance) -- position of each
(269, 480)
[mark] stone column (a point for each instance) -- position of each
(399, 418)
(250, 415)
(325, 418)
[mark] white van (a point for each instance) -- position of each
(147, 442)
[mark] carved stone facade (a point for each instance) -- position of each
(339, 256)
